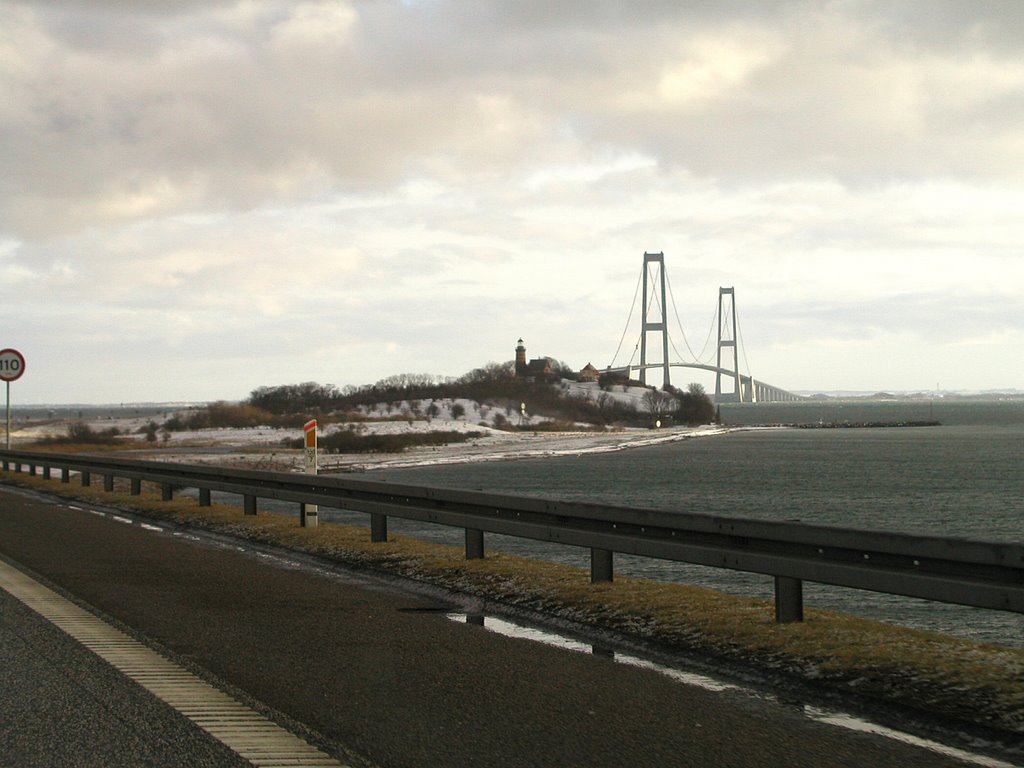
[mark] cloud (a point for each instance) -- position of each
(234, 105)
(430, 180)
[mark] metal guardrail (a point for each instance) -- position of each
(945, 569)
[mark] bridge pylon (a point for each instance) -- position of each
(727, 341)
(745, 388)
(658, 325)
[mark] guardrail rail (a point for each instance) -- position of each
(962, 571)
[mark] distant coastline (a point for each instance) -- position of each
(860, 424)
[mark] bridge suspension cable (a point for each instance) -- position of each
(743, 347)
(636, 351)
(675, 311)
(628, 321)
(706, 355)
(711, 329)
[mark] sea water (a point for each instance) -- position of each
(963, 478)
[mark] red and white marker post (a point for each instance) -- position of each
(309, 513)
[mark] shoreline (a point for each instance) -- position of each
(263, 447)
(550, 445)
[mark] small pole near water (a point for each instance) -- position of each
(12, 366)
(309, 513)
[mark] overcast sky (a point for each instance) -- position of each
(200, 198)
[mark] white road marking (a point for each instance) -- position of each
(245, 731)
(863, 726)
(278, 559)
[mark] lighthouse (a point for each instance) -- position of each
(520, 359)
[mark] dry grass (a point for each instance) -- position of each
(971, 681)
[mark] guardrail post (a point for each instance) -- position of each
(378, 528)
(86, 478)
(7, 465)
(136, 489)
(309, 515)
(789, 600)
(601, 565)
(46, 472)
(204, 497)
(108, 483)
(249, 504)
(166, 491)
(474, 544)
(65, 475)
(32, 470)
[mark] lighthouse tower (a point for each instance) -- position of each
(520, 359)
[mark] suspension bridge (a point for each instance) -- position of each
(723, 361)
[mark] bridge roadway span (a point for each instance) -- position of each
(750, 389)
(369, 669)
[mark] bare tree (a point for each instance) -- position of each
(658, 404)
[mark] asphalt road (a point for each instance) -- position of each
(361, 671)
(61, 705)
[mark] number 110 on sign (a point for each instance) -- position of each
(12, 364)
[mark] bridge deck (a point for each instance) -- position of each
(750, 390)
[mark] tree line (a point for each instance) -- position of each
(495, 384)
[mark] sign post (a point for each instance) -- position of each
(12, 365)
(308, 513)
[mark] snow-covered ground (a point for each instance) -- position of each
(266, 446)
(519, 445)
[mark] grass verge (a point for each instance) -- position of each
(972, 682)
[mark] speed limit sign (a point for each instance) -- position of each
(12, 364)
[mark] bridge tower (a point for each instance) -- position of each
(661, 325)
(726, 341)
